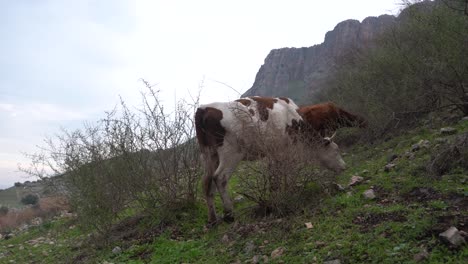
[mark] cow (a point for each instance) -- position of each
(227, 130)
(327, 118)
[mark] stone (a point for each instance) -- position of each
(339, 187)
(441, 140)
(464, 118)
(116, 250)
(452, 236)
(369, 194)
(415, 147)
(249, 247)
(392, 157)
(424, 143)
(448, 131)
(277, 252)
(389, 167)
(355, 180)
(239, 198)
(421, 256)
(309, 225)
(335, 261)
(36, 221)
(256, 259)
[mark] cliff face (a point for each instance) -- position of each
(299, 72)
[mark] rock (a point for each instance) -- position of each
(277, 252)
(424, 143)
(389, 167)
(225, 239)
(421, 256)
(320, 244)
(365, 171)
(309, 225)
(355, 180)
(116, 250)
(249, 247)
(256, 259)
(335, 261)
(36, 221)
(21, 247)
(106, 262)
(339, 187)
(369, 194)
(464, 118)
(415, 147)
(441, 140)
(8, 236)
(10, 246)
(452, 236)
(448, 131)
(392, 157)
(239, 198)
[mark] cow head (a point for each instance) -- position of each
(329, 155)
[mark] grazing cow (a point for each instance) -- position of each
(327, 118)
(227, 131)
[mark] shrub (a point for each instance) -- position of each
(30, 199)
(283, 181)
(144, 157)
(3, 210)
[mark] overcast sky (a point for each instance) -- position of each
(64, 62)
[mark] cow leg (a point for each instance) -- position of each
(209, 189)
(228, 162)
(211, 160)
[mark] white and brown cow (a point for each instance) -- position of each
(227, 130)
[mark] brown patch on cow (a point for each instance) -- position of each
(327, 117)
(285, 99)
(210, 132)
(245, 102)
(295, 127)
(263, 103)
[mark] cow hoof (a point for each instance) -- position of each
(228, 218)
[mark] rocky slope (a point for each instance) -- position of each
(300, 72)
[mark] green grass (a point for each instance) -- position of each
(392, 228)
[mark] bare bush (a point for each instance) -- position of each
(283, 179)
(143, 157)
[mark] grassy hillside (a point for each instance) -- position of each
(9, 197)
(401, 225)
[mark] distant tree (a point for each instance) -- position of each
(18, 184)
(30, 199)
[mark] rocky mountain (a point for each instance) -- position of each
(300, 72)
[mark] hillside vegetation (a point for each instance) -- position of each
(132, 179)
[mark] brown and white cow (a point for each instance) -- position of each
(326, 118)
(226, 130)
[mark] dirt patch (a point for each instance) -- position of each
(426, 194)
(368, 221)
(422, 194)
(131, 231)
